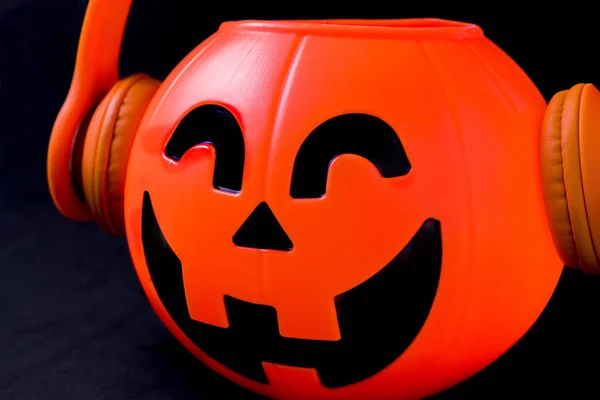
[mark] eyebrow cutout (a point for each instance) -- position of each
(215, 125)
(359, 134)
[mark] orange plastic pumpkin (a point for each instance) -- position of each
(343, 210)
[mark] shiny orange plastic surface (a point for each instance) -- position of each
(469, 120)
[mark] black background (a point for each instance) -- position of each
(74, 323)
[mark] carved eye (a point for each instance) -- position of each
(360, 134)
(214, 125)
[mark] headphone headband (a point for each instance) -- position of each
(96, 71)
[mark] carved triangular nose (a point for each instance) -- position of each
(261, 230)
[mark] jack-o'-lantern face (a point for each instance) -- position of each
(324, 231)
(362, 317)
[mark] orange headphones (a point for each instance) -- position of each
(94, 132)
(570, 145)
(93, 144)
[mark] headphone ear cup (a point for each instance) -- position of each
(555, 196)
(107, 146)
(569, 146)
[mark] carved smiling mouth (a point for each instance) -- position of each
(378, 319)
